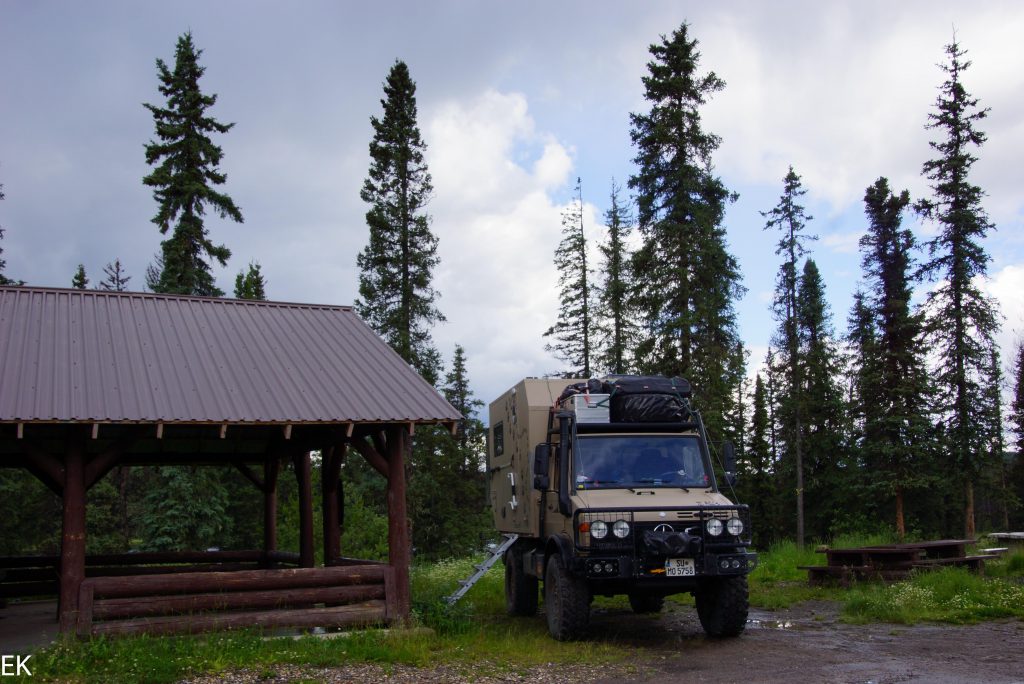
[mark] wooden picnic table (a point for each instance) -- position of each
(892, 561)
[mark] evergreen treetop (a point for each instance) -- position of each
(116, 280)
(250, 284)
(79, 281)
(572, 331)
(186, 175)
(615, 327)
(687, 282)
(396, 295)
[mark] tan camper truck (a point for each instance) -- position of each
(609, 486)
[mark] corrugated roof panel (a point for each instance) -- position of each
(70, 355)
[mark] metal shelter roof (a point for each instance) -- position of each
(97, 356)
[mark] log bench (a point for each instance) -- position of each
(352, 595)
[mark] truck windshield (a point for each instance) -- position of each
(622, 461)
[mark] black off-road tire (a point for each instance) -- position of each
(566, 601)
(645, 603)
(520, 589)
(722, 605)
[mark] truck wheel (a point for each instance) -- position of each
(645, 603)
(722, 604)
(566, 601)
(520, 588)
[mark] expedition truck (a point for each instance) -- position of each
(609, 488)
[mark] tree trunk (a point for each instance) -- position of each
(969, 530)
(901, 529)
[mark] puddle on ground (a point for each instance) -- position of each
(770, 624)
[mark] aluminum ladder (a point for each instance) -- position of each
(496, 551)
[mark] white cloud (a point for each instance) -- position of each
(1007, 287)
(497, 228)
(843, 243)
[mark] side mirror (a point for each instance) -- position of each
(541, 462)
(730, 463)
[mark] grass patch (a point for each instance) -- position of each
(951, 595)
(477, 630)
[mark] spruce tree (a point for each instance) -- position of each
(896, 438)
(396, 296)
(186, 175)
(961, 321)
(250, 284)
(573, 329)
(616, 330)
(789, 218)
(79, 281)
(1017, 405)
(820, 403)
(687, 282)
(116, 280)
(454, 523)
(755, 485)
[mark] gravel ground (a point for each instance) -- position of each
(803, 644)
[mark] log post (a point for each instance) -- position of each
(399, 445)
(271, 467)
(72, 546)
(303, 473)
(330, 487)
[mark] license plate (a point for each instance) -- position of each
(679, 567)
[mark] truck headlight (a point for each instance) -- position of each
(714, 527)
(620, 529)
(735, 526)
(599, 529)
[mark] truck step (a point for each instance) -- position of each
(496, 552)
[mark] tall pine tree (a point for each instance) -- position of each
(186, 175)
(572, 332)
(961, 321)
(895, 446)
(396, 296)
(687, 282)
(790, 219)
(820, 404)
(616, 330)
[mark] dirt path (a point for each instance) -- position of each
(809, 644)
(804, 644)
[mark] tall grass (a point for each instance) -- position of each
(944, 595)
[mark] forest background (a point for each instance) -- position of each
(542, 171)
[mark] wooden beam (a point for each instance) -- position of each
(95, 430)
(303, 473)
(223, 430)
(249, 475)
(330, 488)
(288, 431)
(399, 546)
(21, 431)
(271, 468)
(72, 547)
(101, 464)
(159, 430)
(349, 429)
(371, 455)
(45, 467)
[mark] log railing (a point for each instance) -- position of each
(37, 575)
(353, 595)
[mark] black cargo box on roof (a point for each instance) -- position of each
(648, 399)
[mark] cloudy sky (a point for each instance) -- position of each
(516, 100)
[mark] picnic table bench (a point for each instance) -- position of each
(890, 562)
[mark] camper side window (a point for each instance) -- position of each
(498, 435)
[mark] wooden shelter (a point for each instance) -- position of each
(90, 380)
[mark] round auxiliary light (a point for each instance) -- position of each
(599, 529)
(735, 526)
(608, 567)
(714, 527)
(724, 563)
(620, 529)
(735, 564)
